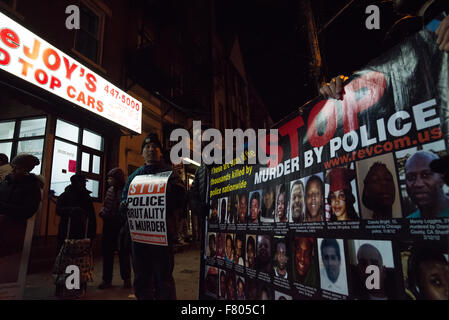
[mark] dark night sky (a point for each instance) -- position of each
(273, 39)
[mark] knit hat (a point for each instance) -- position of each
(26, 161)
(440, 165)
(151, 138)
(78, 177)
(340, 179)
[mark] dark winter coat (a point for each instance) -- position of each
(197, 193)
(113, 196)
(77, 205)
(20, 199)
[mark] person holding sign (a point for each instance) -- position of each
(153, 264)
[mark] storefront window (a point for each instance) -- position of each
(7, 129)
(64, 166)
(76, 150)
(27, 137)
(5, 147)
(67, 131)
(34, 147)
(32, 128)
(85, 162)
(96, 164)
(92, 140)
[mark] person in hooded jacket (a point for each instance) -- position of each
(112, 223)
(76, 204)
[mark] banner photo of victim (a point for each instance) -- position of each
(351, 210)
(147, 208)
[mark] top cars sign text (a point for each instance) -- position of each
(27, 56)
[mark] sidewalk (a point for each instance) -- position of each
(40, 286)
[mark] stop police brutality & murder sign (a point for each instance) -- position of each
(147, 210)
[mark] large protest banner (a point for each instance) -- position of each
(352, 210)
(147, 208)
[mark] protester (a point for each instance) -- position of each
(75, 204)
(198, 201)
(425, 187)
(20, 196)
(154, 264)
(5, 167)
(112, 223)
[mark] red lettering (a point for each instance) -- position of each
(90, 84)
(55, 83)
(69, 89)
(10, 38)
(291, 129)
(6, 57)
(38, 74)
(90, 102)
(377, 149)
(375, 84)
(328, 109)
(436, 133)
(369, 151)
(264, 144)
(25, 66)
(46, 56)
(69, 69)
(35, 53)
(81, 98)
(99, 106)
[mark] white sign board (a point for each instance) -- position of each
(147, 208)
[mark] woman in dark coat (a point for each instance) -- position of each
(20, 197)
(75, 203)
(112, 224)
